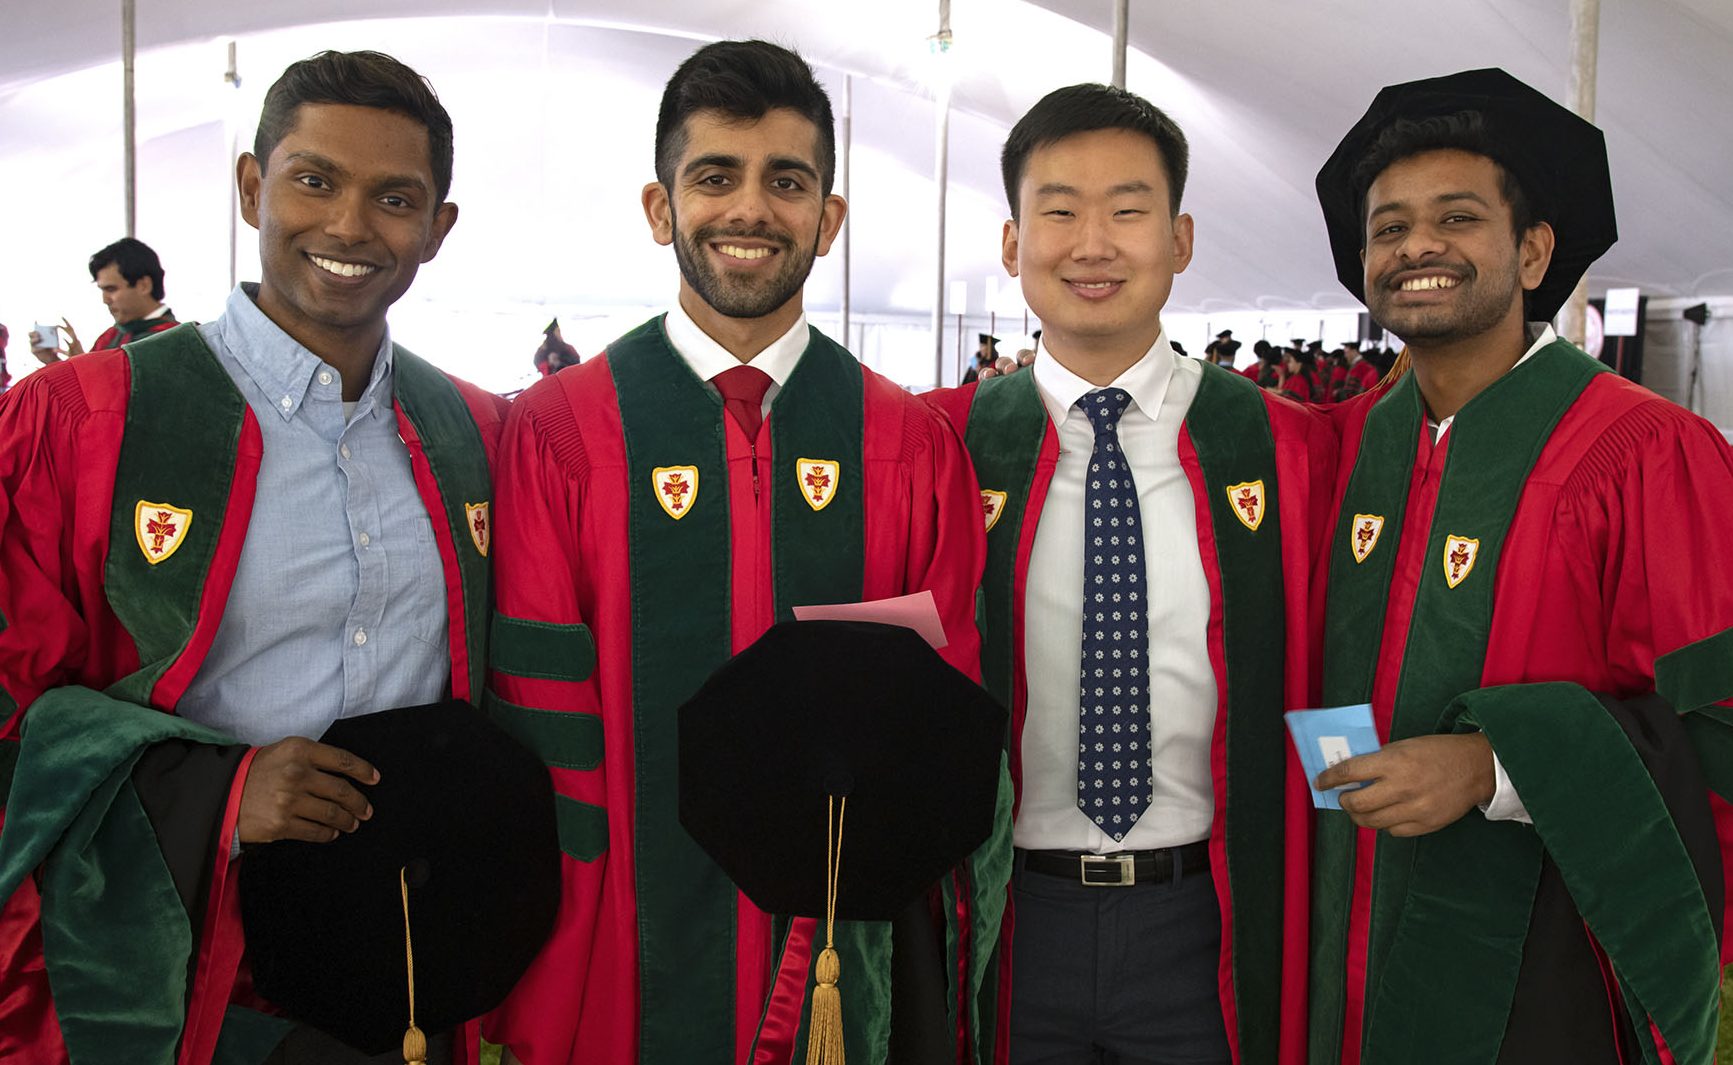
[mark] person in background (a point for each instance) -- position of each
(985, 356)
(130, 277)
(1363, 373)
(1222, 349)
(1300, 376)
(1266, 371)
(554, 354)
(1333, 373)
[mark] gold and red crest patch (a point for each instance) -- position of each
(676, 489)
(1248, 501)
(992, 506)
(1459, 555)
(480, 525)
(161, 528)
(817, 479)
(1363, 535)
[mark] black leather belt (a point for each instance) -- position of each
(1120, 870)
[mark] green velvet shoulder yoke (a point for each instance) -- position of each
(458, 460)
(189, 464)
(1474, 873)
(682, 631)
(181, 462)
(1229, 428)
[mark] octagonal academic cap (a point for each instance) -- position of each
(843, 709)
(1559, 158)
(468, 812)
(848, 742)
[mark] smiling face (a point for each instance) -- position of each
(747, 214)
(1094, 243)
(1442, 262)
(346, 213)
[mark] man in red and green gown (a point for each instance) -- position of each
(1523, 585)
(143, 537)
(661, 506)
(130, 277)
(1232, 484)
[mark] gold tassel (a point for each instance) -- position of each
(824, 1043)
(414, 1042)
(824, 1035)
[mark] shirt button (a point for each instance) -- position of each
(343, 449)
(365, 539)
(360, 637)
(324, 377)
(286, 402)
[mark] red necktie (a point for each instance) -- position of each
(743, 389)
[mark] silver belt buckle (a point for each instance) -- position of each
(1110, 870)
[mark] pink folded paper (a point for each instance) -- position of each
(917, 611)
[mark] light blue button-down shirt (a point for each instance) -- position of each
(338, 606)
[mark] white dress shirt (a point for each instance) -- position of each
(707, 358)
(1182, 686)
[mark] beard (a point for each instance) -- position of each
(1481, 302)
(736, 296)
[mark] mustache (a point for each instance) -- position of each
(708, 234)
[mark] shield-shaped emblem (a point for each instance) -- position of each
(1248, 501)
(1363, 535)
(676, 489)
(992, 505)
(480, 527)
(160, 528)
(817, 479)
(1459, 555)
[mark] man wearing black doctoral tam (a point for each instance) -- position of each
(1521, 586)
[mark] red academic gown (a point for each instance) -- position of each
(127, 332)
(65, 620)
(573, 561)
(1338, 377)
(1270, 888)
(1299, 387)
(1364, 376)
(1608, 575)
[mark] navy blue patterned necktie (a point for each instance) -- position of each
(1113, 772)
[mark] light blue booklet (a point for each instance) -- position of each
(1325, 737)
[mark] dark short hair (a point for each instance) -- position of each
(364, 79)
(744, 80)
(1464, 131)
(1084, 109)
(134, 259)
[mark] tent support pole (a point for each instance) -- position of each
(129, 117)
(941, 178)
(1121, 32)
(1585, 46)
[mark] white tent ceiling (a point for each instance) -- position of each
(554, 102)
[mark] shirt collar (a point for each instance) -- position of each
(1146, 380)
(279, 365)
(707, 358)
(1543, 335)
(161, 310)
